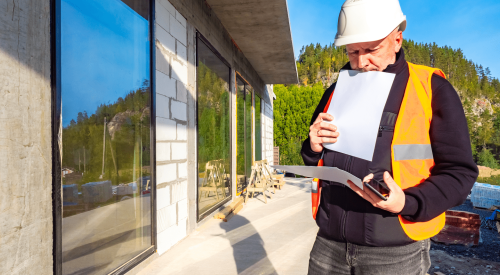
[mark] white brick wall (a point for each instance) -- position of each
(181, 132)
(179, 151)
(182, 170)
(162, 151)
(165, 128)
(165, 85)
(179, 191)
(162, 106)
(177, 30)
(182, 209)
(162, 198)
(166, 217)
(179, 110)
(166, 173)
(171, 117)
(267, 129)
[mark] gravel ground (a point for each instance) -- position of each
(481, 259)
(488, 249)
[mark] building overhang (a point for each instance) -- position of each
(261, 30)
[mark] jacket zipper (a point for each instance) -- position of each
(386, 128)
(344, 213)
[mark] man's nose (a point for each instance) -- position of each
(362, 61)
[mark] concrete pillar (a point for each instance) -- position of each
(25, 138)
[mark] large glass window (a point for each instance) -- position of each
(106, 155)
(244, 134)
(214, 176)
(258, 129)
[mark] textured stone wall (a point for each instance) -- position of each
(25, 138)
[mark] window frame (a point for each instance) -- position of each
(56, 125)
(246, 84)
(202, 216)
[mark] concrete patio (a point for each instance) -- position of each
(272, 238)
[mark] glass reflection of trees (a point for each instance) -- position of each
(113, 144)
(106, 150)
(213, 130)
(244, 134)
(258, 129)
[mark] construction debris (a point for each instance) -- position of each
(461, 228)
(485, 196)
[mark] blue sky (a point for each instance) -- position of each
(473, 26)
(104, 54)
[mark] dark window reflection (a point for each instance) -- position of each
(244, 134)
(213, 130)
(106, 133)
(258, 130)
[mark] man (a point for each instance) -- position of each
(422, 154)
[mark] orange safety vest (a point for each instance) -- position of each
(411, 151)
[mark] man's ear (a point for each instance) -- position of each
(398, 41)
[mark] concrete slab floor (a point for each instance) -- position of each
(272, 238)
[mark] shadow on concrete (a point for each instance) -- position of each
(249, 251)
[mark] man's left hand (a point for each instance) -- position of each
(395, 201)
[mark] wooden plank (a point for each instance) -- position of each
(238, 209)
(240, 202)
(223, 213)
(236, 202)
(228, 217)
(232, 214)
(228, 209)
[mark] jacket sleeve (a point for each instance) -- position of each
(310, 157)
(454, 172)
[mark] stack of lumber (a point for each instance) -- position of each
(229, 211)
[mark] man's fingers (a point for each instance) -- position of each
(326, 133)
(376, 199)
(325, 116)
(368, 178)
(328, 140)
(390, 181)
(360, 192)
(327, 126)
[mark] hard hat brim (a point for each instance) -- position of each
(352, 39)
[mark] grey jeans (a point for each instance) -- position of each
(330, 257)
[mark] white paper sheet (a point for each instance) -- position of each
(356, 106)
(322, 172)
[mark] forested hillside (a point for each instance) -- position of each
(318, 68)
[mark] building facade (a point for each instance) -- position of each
(126, 124)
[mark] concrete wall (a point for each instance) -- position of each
(25, 138)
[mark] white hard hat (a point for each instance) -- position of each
(368, 20)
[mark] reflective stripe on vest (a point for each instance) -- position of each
(411, 153)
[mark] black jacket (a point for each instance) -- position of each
(345, 216)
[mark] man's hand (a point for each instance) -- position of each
(322, 132)
(395, 201)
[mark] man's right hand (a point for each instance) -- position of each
(322, 132)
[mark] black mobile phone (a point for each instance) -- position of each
(377, 188)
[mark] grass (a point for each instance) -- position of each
(493, 180)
